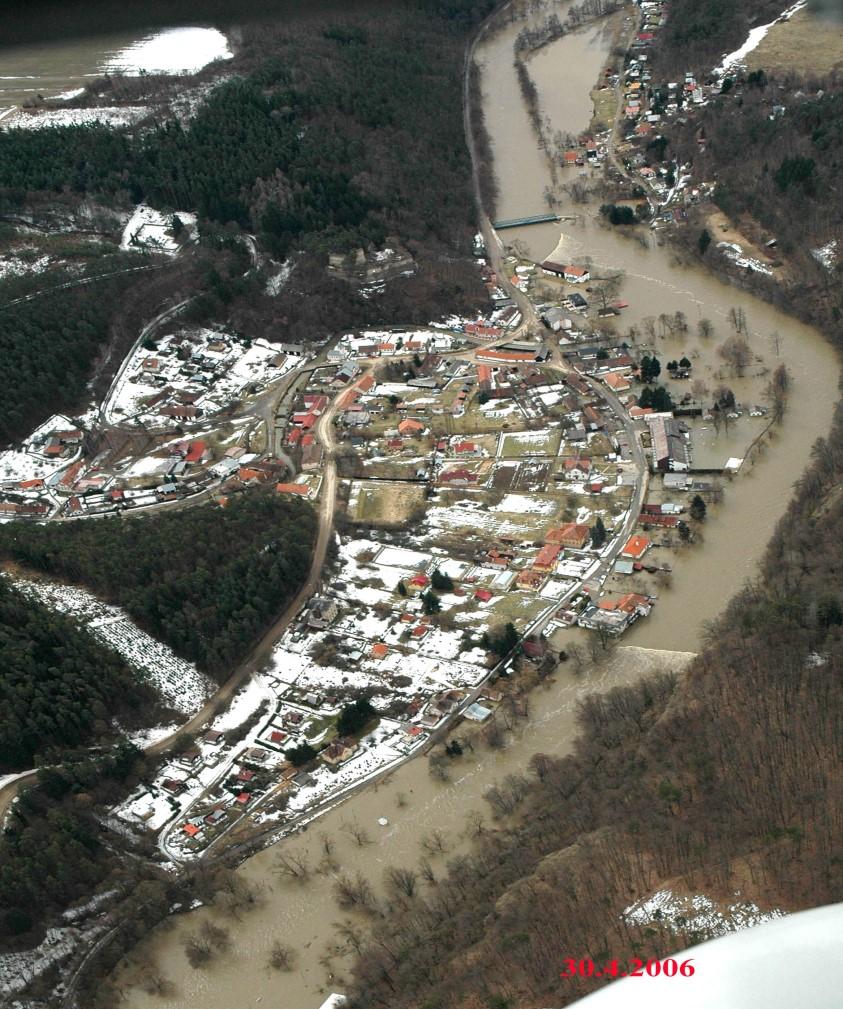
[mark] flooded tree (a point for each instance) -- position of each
(354, 892)
(290, 866)
(777, 391)
(402, 881)
(736, 353)
(281, 956)
(434, 843)
(358, 833)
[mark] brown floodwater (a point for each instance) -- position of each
(303, 915)
(735, 535)
(705, 576)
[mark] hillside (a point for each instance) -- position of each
(59, 687)
(206, 581)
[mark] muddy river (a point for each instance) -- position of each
(705, 576)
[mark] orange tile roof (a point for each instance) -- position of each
(636, 546)
(379, 650)
(293, 488)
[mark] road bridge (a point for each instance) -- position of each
(518, 222)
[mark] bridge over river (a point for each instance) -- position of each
(519, 222)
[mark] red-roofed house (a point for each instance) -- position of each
(301, 489)
(616, 382)
(482, 595)
(410, 426)
(547, 557)
(635, 547)
(458, 476)
(197, 452)
(571, 535)
(576, 274)
(577, 468)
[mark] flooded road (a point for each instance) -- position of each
(304, 916)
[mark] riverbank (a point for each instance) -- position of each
(416, 805)
(75, 63)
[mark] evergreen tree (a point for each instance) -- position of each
(598, 533)
(698, 509)
(430, 603)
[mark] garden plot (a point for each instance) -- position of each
(526, 504)
(517, 445)
(181, 685)
(475, 519)
(391, 503)
(404, 558)
(532, 476)
(504, 475)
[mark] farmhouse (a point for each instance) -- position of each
(572, 535)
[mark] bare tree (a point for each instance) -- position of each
(705, 328)
(402, 881)
(361, 838)
(292, 866)
(434, 843)
(281, 956)
(426, 871)
(354, 892)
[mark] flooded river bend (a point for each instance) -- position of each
(705, 576)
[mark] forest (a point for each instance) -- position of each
(207, 581)
(53, 850)
(48, 345)
(724, 780)
(333, 137)
(59, 687)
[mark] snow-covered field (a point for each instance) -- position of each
(117, 116)
(180, 684)
(697, 913)
(17, 264)
(151, 229)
